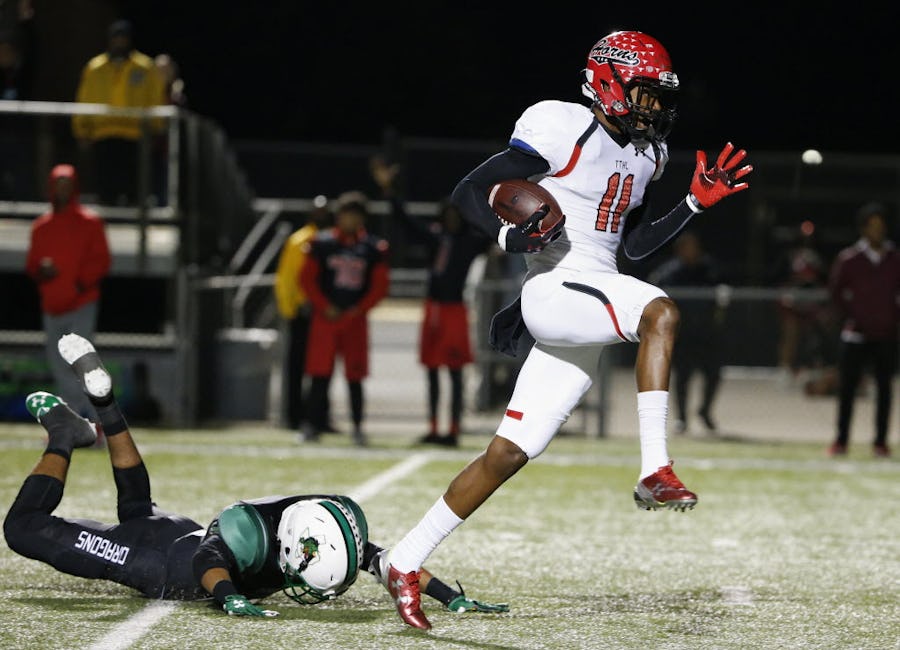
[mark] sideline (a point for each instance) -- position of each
(134, 627)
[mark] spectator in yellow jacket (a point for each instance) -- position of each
(293, 307)
(125, 78)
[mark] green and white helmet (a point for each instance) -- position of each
(320, 548)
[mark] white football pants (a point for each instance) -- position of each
(572, 316)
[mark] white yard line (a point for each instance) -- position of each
(376, 484)
(134, 627)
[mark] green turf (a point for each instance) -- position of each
(786, 549)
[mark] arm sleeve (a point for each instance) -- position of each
(644, 236)
(470, 194)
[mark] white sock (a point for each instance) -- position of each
(653, 407)
(412, 551)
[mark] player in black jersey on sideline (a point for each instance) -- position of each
(251, 549)
(444, 335)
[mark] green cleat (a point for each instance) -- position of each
(39, 403)
(64, 427)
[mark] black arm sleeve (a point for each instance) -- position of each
(470, 194)
(643, 236)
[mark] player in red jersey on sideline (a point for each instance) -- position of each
(345, 275)
(598, 162)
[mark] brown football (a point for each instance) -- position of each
(515, 200)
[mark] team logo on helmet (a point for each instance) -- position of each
(308, 550)
(603, 52)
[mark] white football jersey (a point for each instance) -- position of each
(596, 181)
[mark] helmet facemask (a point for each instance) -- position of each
(651, 110)
(295, 587)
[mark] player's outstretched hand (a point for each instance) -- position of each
(463, 603)
(527, 236)
(237, 605)
(709, 186)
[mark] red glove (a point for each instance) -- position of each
(709, 186)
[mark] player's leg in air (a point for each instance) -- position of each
(571, 322)
(132, 553)
(129, 472)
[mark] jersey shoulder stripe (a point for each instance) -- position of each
(576, 152)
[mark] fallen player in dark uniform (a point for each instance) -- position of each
(250, 550)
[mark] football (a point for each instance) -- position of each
(515, 200)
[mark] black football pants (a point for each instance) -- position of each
(148, 550)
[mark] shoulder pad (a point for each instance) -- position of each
(245, 533)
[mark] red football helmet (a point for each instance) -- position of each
(625, 60)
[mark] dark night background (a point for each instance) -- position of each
(774, 78)
(767, 76)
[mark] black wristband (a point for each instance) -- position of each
(222, 590)
(440, 591)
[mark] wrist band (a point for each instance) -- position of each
(693, 203)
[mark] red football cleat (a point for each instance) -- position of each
(663, 489)
(404, 589)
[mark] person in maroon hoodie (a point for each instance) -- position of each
(345, 275)
(68, 257)
(865, 288)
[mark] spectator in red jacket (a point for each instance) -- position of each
(865, 289)
(346, 274)
(68, 257)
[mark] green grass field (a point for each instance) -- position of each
(786, 549)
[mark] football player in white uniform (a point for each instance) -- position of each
(598, 162)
